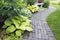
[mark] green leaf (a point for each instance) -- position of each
(27, 22)
(10, 29)
(18, 18)
(4, 26)
(22, 27)
(18, 32)
(7, 22)
(29, 28)
(25, 12)
(16, 23)
(7, 38)
(23, 19)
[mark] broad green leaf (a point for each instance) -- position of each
(23, 19)
(10, 29)
(8, 22)
(22, 27)
(4, 26)
(16, 23)
(29, 28)
(17, 17)
(18, 32)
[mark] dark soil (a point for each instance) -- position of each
(2, 19)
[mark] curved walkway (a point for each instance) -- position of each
(41, 30)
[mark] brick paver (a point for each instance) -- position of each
(41, 30)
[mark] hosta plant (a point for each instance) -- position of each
(17, 25)
(33, 8)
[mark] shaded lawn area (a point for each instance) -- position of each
(54, 22)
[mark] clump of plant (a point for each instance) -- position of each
(46, 3)
(17, 25)
(12, 37)
(17, 20)
(26, 12)
(31, 2)
(33, 8)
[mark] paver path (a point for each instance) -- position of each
(41, 30)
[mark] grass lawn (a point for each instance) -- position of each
(54, 22)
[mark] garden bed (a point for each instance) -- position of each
(15, 18)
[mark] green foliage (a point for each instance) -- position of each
(17, 18)
(46, 3)
(17, 21)
(8, 38)
(5, 26)
(31, 2)
(10, 29)
(11, 8)
(12, 37)
(26, 28)
(18, 24)
(33, 8)
(7, 22)
(23, 19)
(18, 32)
(25, 12)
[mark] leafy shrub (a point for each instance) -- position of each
(46, 3)
(31, 2)
(33, 8)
